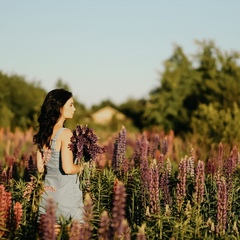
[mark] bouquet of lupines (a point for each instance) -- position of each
(84, 144)
(85, 149)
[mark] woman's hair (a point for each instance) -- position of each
(49, 115)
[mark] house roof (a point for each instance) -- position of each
(105, 115)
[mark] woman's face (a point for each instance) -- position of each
(68, 109)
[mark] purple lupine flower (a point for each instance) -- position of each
(118, 211)
(181, 185)
(137, 153)
(230, 167)
(141, 150)
(211, 167)
(199, 182)
(164, 187)
(115, 163)
(144, 148)
(165, 183)
(119, 150)
(160, 162)
(84, 144)
(222, 197)
(154, 146)
(49, 220)
(154, 189)
(144, 177)
(164, 147)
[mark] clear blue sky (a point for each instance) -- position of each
(108, 49)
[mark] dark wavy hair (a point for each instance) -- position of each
(49, 115)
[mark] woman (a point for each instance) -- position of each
(56, 159)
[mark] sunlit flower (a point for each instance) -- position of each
(84, 144)
(18, 213)
(103, 231)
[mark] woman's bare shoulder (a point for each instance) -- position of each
(66, 133)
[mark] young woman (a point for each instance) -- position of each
(56, 159)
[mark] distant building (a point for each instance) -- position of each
(106, 114)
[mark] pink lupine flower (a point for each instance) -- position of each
(46, 156)
(160, 162)
(154, 146)
(190, 166)
(104, 227)
(86, 232)
(118, 211)
(29, 189)
(18, 213)
(181, 185)
(49, 188)
(220, 157)
(5, 204)
(50, 221)
(75, 231)
(230, 167)
(221, 206)
(125, 230)
(199, 182)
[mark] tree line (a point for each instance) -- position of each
(196, 95)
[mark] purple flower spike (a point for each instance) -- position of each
(119, 150)
(84, 144)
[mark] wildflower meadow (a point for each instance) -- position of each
(140, 192)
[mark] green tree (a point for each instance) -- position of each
(210, 77)
(134, 109)
(61, 84)
(218, 125)
(166, 103)
(20, 101)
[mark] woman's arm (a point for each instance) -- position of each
(40, 165)
(66, 154)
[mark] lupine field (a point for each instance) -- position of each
(139, 192)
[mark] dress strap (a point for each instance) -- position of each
(53, 143)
